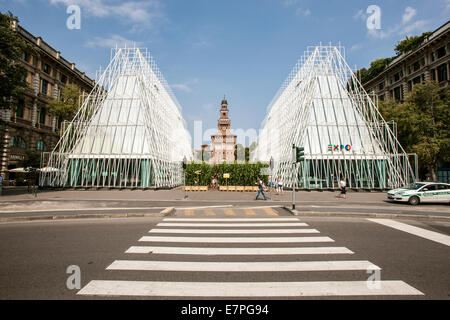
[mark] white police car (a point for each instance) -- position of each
(421, 192)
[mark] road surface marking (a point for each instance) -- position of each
(427, 234)
(250, 212)
(246, 289)
(170, 224)
(229, 212)
(270, 212)
(189, 212)
(234, 231)
(241, 266)
(236, 239)
(209, 212)
(232, 219)
(238, 251)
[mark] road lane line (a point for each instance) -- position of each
(420, 232)
(236, 239)
(294, 266)
(238, 251)
(174, 224)
(246, 289)
(233, 231)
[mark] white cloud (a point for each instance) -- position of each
(408, 15)
(360, 15)
(186, 86)
(406, 27)
(135, 13)
(111, 42)
(356, 47)
(302, 12)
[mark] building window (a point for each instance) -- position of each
(381, 97)
(416, 80)
(42, 115)
(432, 57)
(433, 74)
(20, 108)
(410, 86)
(416, 66)
(63, 78)
(41, 146)
(381, 86)
(442, 73)
(441, 52)
(44, 86)
(18, 142)
(25, 56)
(398, 94)
(46, 68)
(397, 77)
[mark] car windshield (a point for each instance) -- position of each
(415, 186)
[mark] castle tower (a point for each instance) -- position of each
(223, 142)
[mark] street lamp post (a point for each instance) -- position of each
(184, 180)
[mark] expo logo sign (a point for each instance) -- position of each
(339, 148)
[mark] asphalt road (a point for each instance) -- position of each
(35, 255)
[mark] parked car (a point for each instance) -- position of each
(421, 192)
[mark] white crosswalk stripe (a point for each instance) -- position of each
(227, 238)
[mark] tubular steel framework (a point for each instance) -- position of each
(323, 107)
(128, 133)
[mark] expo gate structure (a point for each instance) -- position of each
(323, 107)
(128, 133)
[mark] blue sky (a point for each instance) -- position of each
(243, 49)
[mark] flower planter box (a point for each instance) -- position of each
(188, 188)
(223, 188)
(231, 188)
(239, 189)
(203, 188)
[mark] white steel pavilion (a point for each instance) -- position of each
(323, 108)
(128, 133)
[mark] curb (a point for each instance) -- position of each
(365, 215)
(81, 216)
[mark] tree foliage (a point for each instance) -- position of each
(67, 106)
(410, 43)
(12, 74)
(423, 122)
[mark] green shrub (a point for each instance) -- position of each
(241, 174)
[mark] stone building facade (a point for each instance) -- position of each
(431, 61)
(223, 142)
(29, 125)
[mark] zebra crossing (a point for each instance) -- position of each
(237, 246)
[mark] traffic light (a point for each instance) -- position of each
(299, 154)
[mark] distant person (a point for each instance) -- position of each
(1, 184)
(280, 185)
(261, 186)
(343, 186)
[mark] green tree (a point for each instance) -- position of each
(67, 106)
(423, 124)
(411, 43)
(12, 74)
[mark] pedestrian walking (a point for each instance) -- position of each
(343, 186)
(261, 186)
(1, 184)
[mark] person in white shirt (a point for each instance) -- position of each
(342, 186)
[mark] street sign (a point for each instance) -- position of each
(226, 176)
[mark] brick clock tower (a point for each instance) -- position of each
(223, 142)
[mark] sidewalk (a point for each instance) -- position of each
(66, 204)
